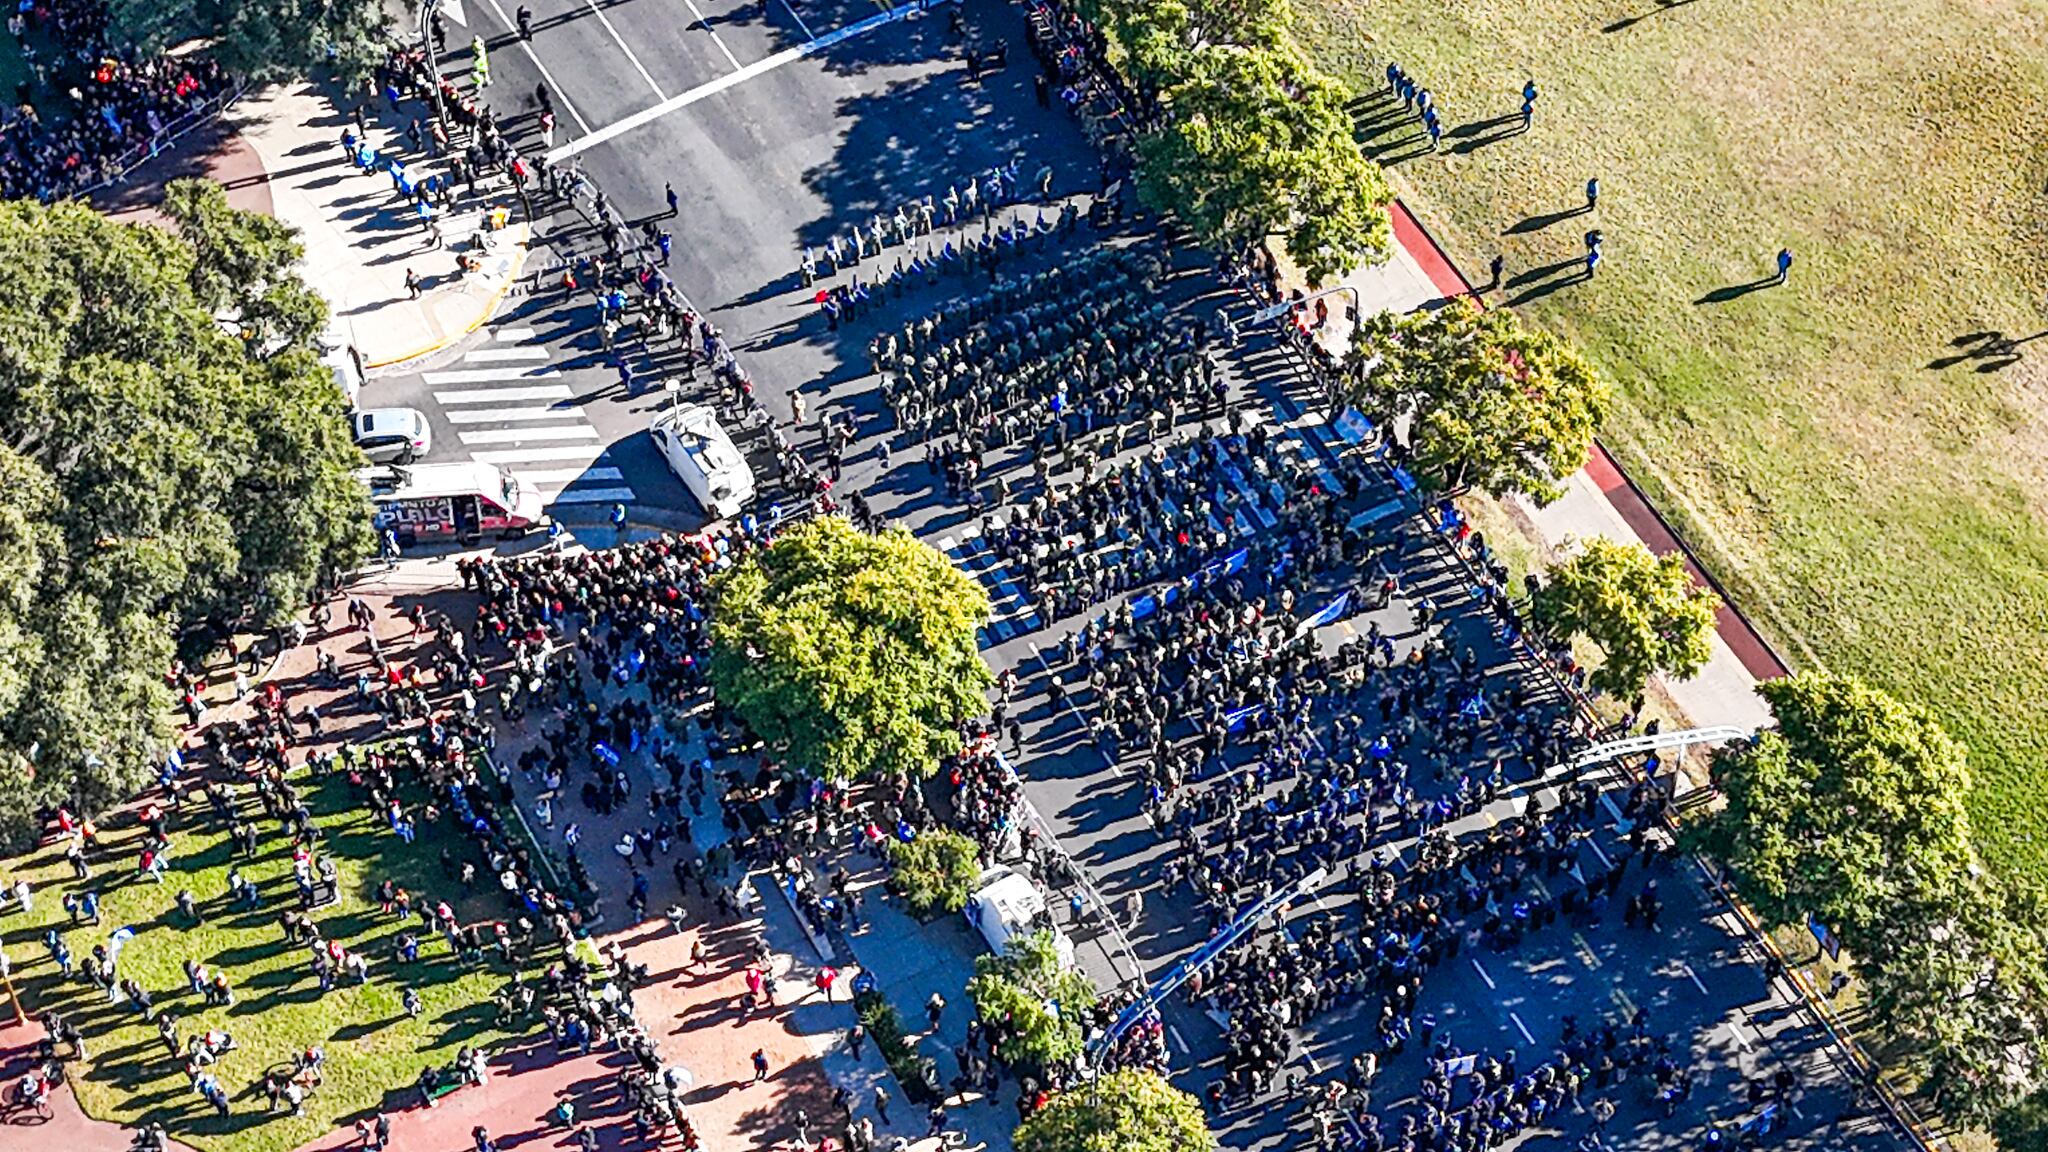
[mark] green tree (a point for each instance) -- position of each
(1037, 1004)
(1258, 142)
(1851, 809)
(1487, 402)
(1644, 612)
(156, 476)
(850, 653)
(935, 872)
(1134, 1110)
(264, 39)
(1962, 986)
(244, 268)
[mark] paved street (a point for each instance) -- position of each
(776, 137)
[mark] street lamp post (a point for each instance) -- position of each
(427, 10)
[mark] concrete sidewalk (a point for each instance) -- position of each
(1599, 500)
(361, 237)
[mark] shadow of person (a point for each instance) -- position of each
(1735, 291)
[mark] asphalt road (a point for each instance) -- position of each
(778, 132)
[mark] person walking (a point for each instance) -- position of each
(412, 283)
(760, 1065)
(1784, 264)
(1496, 267)
(1592, 193)
(882, 1103)
(524, 18)
(933, 1008)
(855, 1037)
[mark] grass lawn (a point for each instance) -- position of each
(1873, 497)
(372, 1045)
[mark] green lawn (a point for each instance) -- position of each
(372, 1045)
(1873, 500)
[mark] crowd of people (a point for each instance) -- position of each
(122, 100)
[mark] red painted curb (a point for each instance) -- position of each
(1622, 494)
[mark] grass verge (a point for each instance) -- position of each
(1851, 458)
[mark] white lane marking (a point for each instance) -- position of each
(1522, 1028)
(1595, 846)
(592, 496)
(503, 355)
(513, 335)
(554, 89)
(1483, 975)
(504, 395)
(1694, 977)
(714, 87)
(519, 435)
(787, 7)
(544, 477)
(491, 415)
(1736, 1030)
(714, 35)
(621, 42)
(1177, 1041)
(486, 375)
(1069, 702)
(583, 452)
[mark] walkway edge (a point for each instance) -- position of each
(1622, 494)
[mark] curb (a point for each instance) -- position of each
(490, 310)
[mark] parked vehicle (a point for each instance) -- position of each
(392, 435)
(704, 458)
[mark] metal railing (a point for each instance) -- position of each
(191, 120)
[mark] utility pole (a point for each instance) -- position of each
(427, 10)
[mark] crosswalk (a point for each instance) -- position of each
(511, 407)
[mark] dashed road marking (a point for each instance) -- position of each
(1484, 976)
(1522, 1028)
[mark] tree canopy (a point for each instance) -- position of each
(851, 654)
(1134, 1110)
(1488, 402)
(1035, 1004)
(1852, 810)
(1254, 139)
(263, 39)
(158, 472)
(936, 871)
(1644, 611)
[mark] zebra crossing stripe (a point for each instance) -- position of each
(518, 435)
(505, 395)
(492, 415)
(513, 335)
(506, 375)
(584, 452)
(593, 496)
(504, 355)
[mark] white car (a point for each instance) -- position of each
(393, 435)
(1006, 904)
(704, 458)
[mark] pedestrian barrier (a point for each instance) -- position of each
(127, 162)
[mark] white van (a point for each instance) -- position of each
(704, 458)
(1007, 904)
